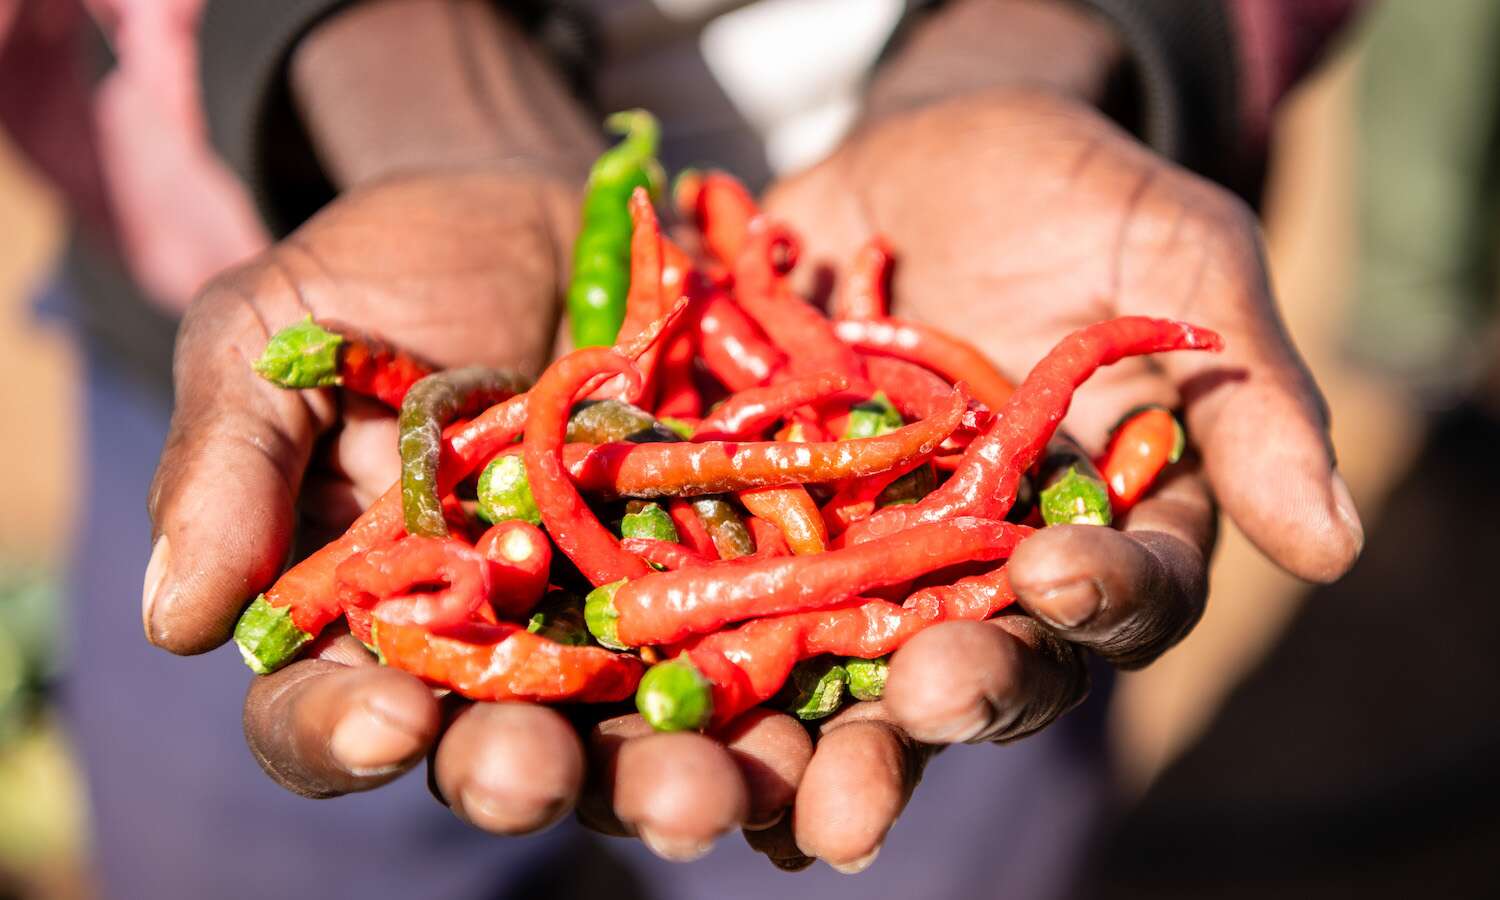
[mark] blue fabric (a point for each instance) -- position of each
(180, 810)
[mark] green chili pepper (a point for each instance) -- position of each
(675, 696)
(726, 527)
(678, 427)
(431, 404)
(647, 520)
(559, 617)
(871, 418)
(815, 688)
(606, 421)
(867, 677)
(504, 493)
(600, 615)
(601, 255)
(1073, 491)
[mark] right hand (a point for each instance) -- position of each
(460, 268)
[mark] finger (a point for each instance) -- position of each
(1257, 414)
(1127, 594)
(983, 681)
(857, 783)
(363, 450)
(778, 844)
(221, 502)
(678, 792)
(772, 749)
(509, 768)
(321, 728)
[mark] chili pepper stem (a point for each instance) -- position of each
(1076, 499)
(266, 636)
(601, 616)
(675, 696)
(867, 677)
(304, 355)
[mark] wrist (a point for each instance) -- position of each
(974, 45)
(469, 90)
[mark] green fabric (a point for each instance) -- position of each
(1427, 104)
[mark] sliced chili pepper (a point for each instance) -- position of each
(792, 510)
(505, 662)
(312, 355)
(769, 541)
(1073, 492)
(430, 405)
(690, 528)
(665, 554)
(918, 342)
(569, 521)
(666, 607)
(654, 470)
(986, 479)
(601, 254)
(520, 559)
(864, 294)
(748, 413)
(735, 349)
(793, 325)
(720, 206)
(1145, 442)
(432, 582)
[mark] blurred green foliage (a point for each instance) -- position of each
(29, 620)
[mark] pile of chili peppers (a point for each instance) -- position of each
(737, 501)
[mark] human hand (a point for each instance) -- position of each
(1016, 217)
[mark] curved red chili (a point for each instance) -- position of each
(794, 512)
(666, 554)
(1143, 444)
(985, 481)
(748, 413)
(920, 343)
(865, 291)
(735, 350)
(432, 582)
(720, 206)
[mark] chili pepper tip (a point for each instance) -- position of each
(600, 615)
(674, 696)
(304, 355)
(267, 637)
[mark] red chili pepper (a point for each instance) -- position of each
(721, 208)
(986, 479)
(747, 414)
(666, 554)
(592, 548)
(677, 394)
(865, 293)
(713, 467)
(974, 598)
(855, 499)
(520, 559)
(792, 510)
(504, 662)
(769, 541)
(666, 607)
(432, 582)
(311, 354)
(1145, 442)
(800, 331)
(918, 342)
(690, 528)
(735, 350)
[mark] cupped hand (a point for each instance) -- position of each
(1017, 216)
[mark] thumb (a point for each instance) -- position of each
(222, 503)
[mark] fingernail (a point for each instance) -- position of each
(854, 867)
(1070, 605)
(762, 825)
(964, 729)
(1343, 503)
(156, 573)
(367, 743)
(673, 849)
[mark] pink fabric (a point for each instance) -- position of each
(1278, 41)
(178, 214)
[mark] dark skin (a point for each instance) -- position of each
(1041, 216)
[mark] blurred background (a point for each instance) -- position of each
(1309, 742)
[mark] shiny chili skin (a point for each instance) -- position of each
(974, 598)
(720, 206)
(986, 479)
(746, 414)
(855, 499)
(769, 541)
(311, 354)
(519, 558)
(376, 369)
(691, 529)
(429, 406)
(920, 343)
(735, 350)
(666, 607)
(1140, 447)
(794, 512)
(654, 470)
(865, 291)
(495, 662)
(666, 554)
(801, 332)
(398, 579)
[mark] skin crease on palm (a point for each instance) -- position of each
(1016, 217)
